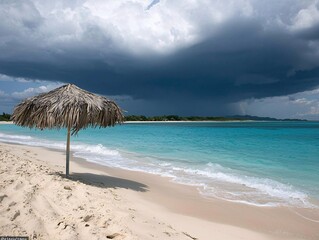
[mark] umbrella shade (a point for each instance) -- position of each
(67, 107)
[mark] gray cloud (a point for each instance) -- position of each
(207, 53)
(152, 4)
(304, 105)
(14, 90)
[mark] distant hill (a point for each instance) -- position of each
(198, 118)
(248, 117)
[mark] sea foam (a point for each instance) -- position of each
(212, 180)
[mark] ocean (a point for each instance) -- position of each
(259, 163)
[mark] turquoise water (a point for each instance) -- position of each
(260, 163)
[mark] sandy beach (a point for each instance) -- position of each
(97, 202)
(232, 87)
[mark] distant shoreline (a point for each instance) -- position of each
(6, 122)
(197, 121)
(203, 121)
(218, 121)
(175, 118)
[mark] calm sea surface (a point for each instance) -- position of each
(260, 163)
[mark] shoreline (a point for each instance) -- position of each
(195, 204)
(184, 202)
(185, 121)
(309, 202)
(6, 122)
(217, 121)
(204, 121)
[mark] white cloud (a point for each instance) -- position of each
(10, 98)
(303, 105)
(104, 29)
(3, 94)
(5, 78)
(29, 92)
(306, 17)
(314, 110)
(53, 30)
(129, 26)
(303, 101)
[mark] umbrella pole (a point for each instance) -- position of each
(68, 153)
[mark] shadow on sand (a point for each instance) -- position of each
(105, 181)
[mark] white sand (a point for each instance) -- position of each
(37, 201)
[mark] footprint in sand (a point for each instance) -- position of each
(12, 204)
(19, 185)
(16, 214)
(2, 196)
(115, 236)
(87, 218)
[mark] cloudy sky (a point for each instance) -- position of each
(190, 57)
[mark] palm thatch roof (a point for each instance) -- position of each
(67, 107)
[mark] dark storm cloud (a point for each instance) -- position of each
(240, 58)
(239, 61)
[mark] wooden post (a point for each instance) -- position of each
(68, 153)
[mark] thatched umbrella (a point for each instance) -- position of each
(67, 107)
